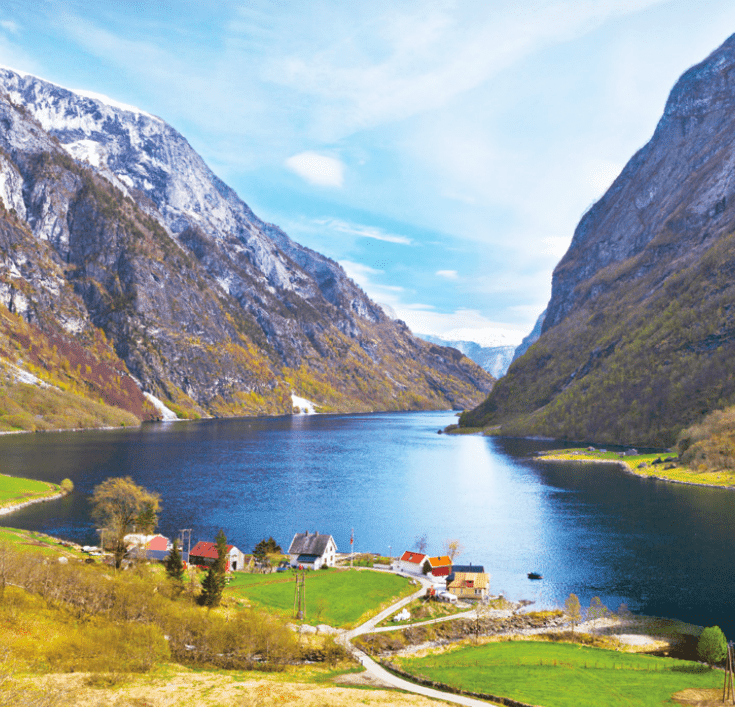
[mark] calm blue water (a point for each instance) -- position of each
(664, 549)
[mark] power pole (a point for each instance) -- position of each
(299, 597)
(728, 690)
(352, 546)
(183, 532)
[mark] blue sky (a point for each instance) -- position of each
(441, 151)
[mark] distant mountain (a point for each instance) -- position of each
(639, 336)
(494, 359)
(115, 234)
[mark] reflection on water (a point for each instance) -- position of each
(661, 548)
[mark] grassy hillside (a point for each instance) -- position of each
(650, 356)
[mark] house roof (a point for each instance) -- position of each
(442, 561)
(464, 568)
(441, 571)
(415, 558)
(207, 549)
(478, 580)
(310, 544)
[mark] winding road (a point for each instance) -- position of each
(382, 674)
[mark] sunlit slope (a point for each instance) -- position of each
(638, 339)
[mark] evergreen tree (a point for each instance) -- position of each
(214, 582)
(712, 645)
(174, 563)
(267, 547)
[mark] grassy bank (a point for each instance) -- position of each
(643, 465)
(562, 674)
(340, 598)
(15, 490)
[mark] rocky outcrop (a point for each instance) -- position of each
(638, 336)
(112, 224)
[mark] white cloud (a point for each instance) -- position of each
(318, 169)
(10, 26)
(449, 274)
(462, 324)
(362, 231)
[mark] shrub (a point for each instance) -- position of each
(712, 645)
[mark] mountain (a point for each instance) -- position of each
(494, 359)
(116, 235)
(639, 336)
(533, 336)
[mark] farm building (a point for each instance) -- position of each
(205, 553)
(469, 585)
(312, 550)
(147, 542)
(438, 566)
(411, 562)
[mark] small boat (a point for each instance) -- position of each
(535, 575)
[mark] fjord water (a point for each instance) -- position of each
(663, 549)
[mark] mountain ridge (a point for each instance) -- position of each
(639, 328)
(209, 308)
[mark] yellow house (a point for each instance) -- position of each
(470, 585)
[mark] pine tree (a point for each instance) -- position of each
(214, 582)
(174, 563)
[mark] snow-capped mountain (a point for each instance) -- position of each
(210, 308)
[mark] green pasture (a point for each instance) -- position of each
(563, 674)
(16, 490)
(682, 474)
(33, 541)
(340, 598)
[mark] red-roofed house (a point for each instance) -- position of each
(439, 566)
(412, 562)
(205, 553)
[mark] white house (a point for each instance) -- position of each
(412, 562)
(312, 550)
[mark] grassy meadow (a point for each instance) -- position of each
(15, 490)
(563, 674)
(340, 598)
(680, 474)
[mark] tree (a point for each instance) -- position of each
(453, 548)
(267, 547)
(147, 519)
(215, 580)
(597, 609)
(712, 645)
(117, 503)
(573, 609)
(420, 543)
(174, 563)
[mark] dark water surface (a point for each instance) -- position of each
(664, 549)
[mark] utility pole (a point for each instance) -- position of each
(352, 546)
(299, 597)
(183, 532)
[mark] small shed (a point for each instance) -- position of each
(439, 566)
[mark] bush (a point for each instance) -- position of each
(712, 645)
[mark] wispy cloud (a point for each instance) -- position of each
(449, 274)
(362, 231)
(318, 169)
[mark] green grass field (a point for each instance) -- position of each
(16, 490)
(340, 598)
(681, 474)
(563, 674)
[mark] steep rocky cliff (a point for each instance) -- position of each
(639, 334)
(113, 229)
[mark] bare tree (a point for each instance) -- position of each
(573, 609)
(453, 548)
(421, 543)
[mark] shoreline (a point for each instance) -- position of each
(629, 469)
(5, 510)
